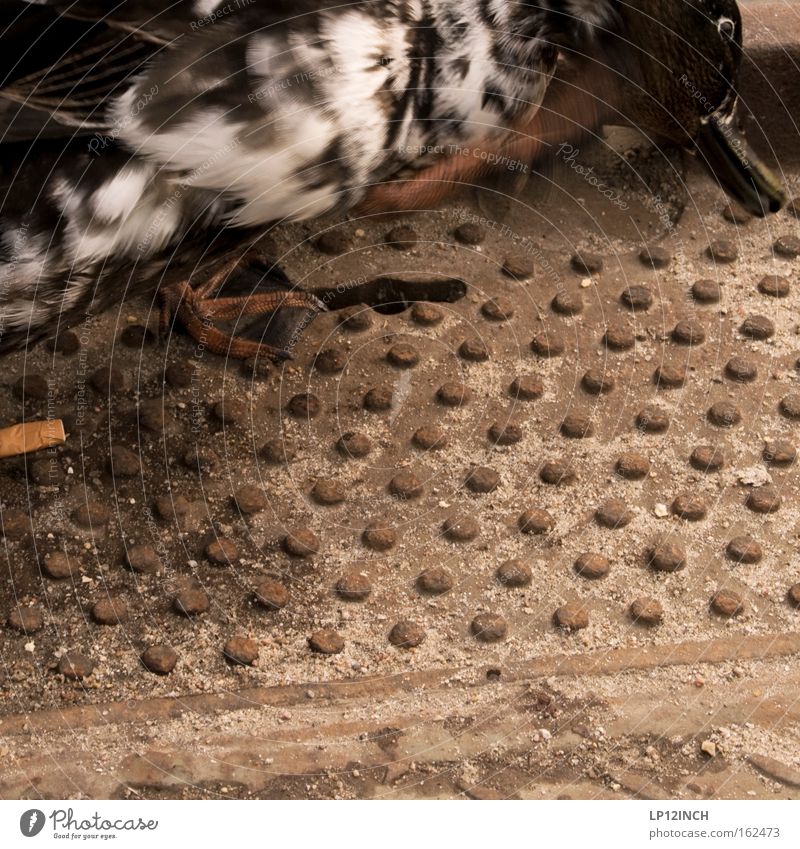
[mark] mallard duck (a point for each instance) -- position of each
(130, 134)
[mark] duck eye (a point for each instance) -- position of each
(727, 27)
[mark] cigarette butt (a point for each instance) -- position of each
(31, 436)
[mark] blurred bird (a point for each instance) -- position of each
(129, 133)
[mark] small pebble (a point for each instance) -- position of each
(757, 327)
(304, 406)
(652, 419)
(474, 351)
(379, 537)
(403, 355)
(518, 268)
(724, 414)
(378, 399)
(470, 234)
(598, 382)
(328, 492)
(191, 601)
(222, 552)
(526, 388)
(690, 507)
(26, 620)
(774, 286)
(764, 500)
(587, 263)
(429, 438)
(426, 314)
(688, 332)
(614, 514)
(707, 458)
(790, 405)
(356, 319)
(461, 528)
(143, 558)
(655, 256)
(788, 247)
(632, 466)
(406, 485)
(548, 345)
(110, 611)
(637, 298)
(498, 309)
(668, 376)
(557, 472)
(332, 360)
(301, 542)
(780, 452)
(568, 303)
(58, 565)
(723, 251)
(577, 426)
(707, 292)
(619, 337)
(741, 369)
(250, 499)
(454, 394)
(506, 433)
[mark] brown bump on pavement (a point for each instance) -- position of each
(518, 268)
(536, 521)
(498, 309)
(249, 499)
(304, 405)
(690, 506)
(514, 573)
(592, 565)
(637, 298)
(526, 388)
(688, 332)
(744, 549)
(764, 500)
(613, 514)
(429, 438)
(26, 620)
(356, 319)
(402, 238)
(191, 601)
(379, 536)
(91, 514)
(301, 542)
(707, 458)
(670, 376)
(707, 291)
(335, 242)
(652, 419)
(31, 387)
(179, 375)
(123, 462)
(482, 480)
(354, 586)
(354, 445)
(331, 360)
(222, 552)
(757, 327)
(489, 627)
(75, 665)
(794, 595)
(59, 565)
(577, 426)
(780, 452)
(407, 635)
(328, 492)
(724, 414)
(723, 251)
(326, 641)
(597, 381)
(435, 581)
(403, 355)
(159, 659)
(666, 557)
(406, 485)
(474, 351)
(108, 380)
(271, 594)
(230, 411)
(379, 399)
(548, 344)
(241, 651)
(507, 433)
(461, 528)
(646, 611)
(558, 472)
(619, 337)
(572, 617)
(470, 233)
(790, 405)
(567, 303)
(632, 466)
(66, 343)
(110, 611)
(787, 246)
(774, 286)
(741, 369)
(454, 394)
(426, 314)
(587, 263)
(655, 256)
(143, 558)
(201, 459)
(727, 603)
(170, 507)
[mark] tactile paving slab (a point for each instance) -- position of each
(590, 455)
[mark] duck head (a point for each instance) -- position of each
(678, 62)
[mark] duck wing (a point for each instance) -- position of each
(61, 61)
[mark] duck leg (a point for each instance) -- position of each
(197, 310)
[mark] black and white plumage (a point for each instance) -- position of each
(252, 112)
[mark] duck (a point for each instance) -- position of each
(155, 136)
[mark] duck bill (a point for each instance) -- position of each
(737, 169)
